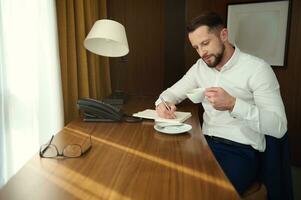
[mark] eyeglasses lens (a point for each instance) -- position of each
(49, 151)
(72, 150)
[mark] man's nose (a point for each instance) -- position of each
(202, 52)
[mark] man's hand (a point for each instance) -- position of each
(220, 99)
(164, 112)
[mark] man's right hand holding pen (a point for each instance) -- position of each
(166, 109)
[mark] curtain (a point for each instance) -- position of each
(83, 73)
(31, 105)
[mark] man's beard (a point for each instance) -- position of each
(217, 57)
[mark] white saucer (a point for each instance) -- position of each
(173, 129)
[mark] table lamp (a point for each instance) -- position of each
(108, 38)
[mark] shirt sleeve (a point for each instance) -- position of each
(267, 115)
(177, 92)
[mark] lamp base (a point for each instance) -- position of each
(116, 98)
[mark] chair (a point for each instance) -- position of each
(275, 170)
(257, 191)
(274, 173)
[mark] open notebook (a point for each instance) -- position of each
(152, 114)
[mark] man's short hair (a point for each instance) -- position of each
(209, 18)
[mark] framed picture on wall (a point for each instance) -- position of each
(260, 29)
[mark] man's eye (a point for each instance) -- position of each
(205, 43)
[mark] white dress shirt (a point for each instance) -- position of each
(258, 108)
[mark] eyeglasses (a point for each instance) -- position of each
(50, 150)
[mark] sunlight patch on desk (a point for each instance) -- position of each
(66, 178)
(208, 178)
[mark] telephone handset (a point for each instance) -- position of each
(95, 110)
(98, 111)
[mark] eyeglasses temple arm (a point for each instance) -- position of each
(43, 151)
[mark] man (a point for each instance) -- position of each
(242, 104)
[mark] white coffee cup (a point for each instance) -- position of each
(196, 95)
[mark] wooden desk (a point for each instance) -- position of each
(127, 161)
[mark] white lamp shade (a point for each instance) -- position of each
(107, 38)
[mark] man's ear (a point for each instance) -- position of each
(224, 35)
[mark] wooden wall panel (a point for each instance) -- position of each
(290, 82)
(142, 73)
(174, 41)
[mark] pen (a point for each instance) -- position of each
(165, 104)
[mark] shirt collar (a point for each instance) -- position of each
(233, 60)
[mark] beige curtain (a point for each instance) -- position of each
(84, 74)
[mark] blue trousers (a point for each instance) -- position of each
(239, 163)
